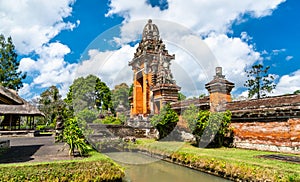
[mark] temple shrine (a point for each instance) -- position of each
(153, 82)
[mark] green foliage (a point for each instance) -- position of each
(122, 117)
(102, 169)
(103, 96)
(259, 81)
(51, 104)
(87, 115)
(181, 96)
(190, 115)
(201, 96)
(10, 76)
(109, 120)
(90, 92)
(297, 92)
(130, 90)
(165, 121)
(120, 95)
(69, 110)
(73, 136)
(208, 125)
(236, 164)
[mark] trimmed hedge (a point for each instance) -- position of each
(104, 170)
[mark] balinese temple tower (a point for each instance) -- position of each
(153, 82)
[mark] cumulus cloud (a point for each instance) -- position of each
(234, 55)
(288, 58)
(288, 84)
(181, 22)
(111, 66)
(202, 16)
(193, 31)
(50, 68)
(33, 23)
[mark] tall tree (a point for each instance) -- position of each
(90, 92)
(259, 81)
(10, 76)
(51, 104)
(120, 95)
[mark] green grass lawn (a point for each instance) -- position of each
(228, 162)
(96, 167)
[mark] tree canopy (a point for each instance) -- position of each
(259, 81)
(51, 104)
(90, 92)
(181, 96)
(10, 76)
(120, 95)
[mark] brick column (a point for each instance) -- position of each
(219, 91)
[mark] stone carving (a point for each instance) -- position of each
(153, 79)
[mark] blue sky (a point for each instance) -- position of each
(60, 40)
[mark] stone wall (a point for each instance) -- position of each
(271, 124)
(283, 136)
(101, 131)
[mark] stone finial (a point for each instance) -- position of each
(150, 31)
(219, 72)
(219, 83)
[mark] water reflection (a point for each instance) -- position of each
(143, 168)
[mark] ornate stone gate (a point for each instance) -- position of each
(153, 82)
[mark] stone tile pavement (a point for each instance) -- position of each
(34, 149)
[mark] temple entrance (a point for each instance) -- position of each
(153, 82)
(139, 88)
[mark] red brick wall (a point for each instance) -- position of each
(274, 136)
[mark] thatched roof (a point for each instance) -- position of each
(8, 96)
(12, 103)
(23, 110)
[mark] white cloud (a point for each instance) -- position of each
(278, 51)
(50, 68)
(288, 58)
(111, 66)
(202, 16)
(181, 19)
(288, 84)
(234, 55)
(33, 23)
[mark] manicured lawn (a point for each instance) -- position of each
(227, 162)
(96, 167)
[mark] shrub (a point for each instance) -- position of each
(73, 136)
(206, 126)
(109, 120)
(165, 121)
(87, 115)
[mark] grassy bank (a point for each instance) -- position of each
(97, 167)
(232, 163)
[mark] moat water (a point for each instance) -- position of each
(142, 168)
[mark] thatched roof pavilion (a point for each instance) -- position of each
(12, 107)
